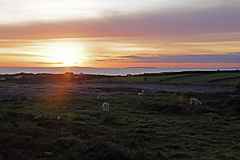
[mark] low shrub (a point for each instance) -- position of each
(65, 143)
(79, 131)
(79, 118)
(165, 108)
(108, 120)
(111, 151)
(232, 105)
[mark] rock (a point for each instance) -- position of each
(37, 117)
(89, 112)
(234, 118)
(48, 153)
(234, 96)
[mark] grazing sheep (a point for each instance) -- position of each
(105, 106)
(195, 100)
(102, 96)
(140, 94)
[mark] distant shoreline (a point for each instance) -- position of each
(102, 71)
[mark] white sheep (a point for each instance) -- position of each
(140, 94)
(195, 100)
(105, 106)
(102, 96)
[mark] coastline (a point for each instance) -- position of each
(100, 71)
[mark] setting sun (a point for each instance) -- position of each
(65, 59)
(66, 55)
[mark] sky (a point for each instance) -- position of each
(119, 34)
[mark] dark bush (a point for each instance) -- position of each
(111, 151)
(79, 118)
(202, 109)
(174, 109)
(171, 108)
(24, 142)
(46, 123)
(232, 105)
(79, 131)
(232, 101)
(65, 143)
(108, 120)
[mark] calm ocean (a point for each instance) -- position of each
(105, 71)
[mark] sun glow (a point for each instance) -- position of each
(66, 55)
(65, 58)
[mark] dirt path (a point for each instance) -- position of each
(29, 91)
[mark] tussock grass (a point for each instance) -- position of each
(135, 128)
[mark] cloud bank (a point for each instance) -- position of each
(187, 31)
(206, 58)
(201, 21)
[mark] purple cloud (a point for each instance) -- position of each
(202, 58)
(155, 23)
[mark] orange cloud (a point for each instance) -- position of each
(19, 55)
(175, 23)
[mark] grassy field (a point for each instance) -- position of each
(204, 77)
(136, 128)
(187, 77)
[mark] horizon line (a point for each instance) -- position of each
(123, 67)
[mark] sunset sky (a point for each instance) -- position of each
(117, 34)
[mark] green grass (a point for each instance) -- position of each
(135, 128)
(217, 77)
(205, 78)
(233, 81)
(190, 77)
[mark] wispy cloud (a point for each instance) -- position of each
(233, 53)
(47, 63)
(202, 58)
(199, 21)
(20, 55)
(145, 31)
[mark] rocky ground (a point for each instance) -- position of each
(20, 91)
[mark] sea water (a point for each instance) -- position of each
(101, 71)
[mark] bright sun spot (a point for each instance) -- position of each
(66, 55)
(65, 58)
